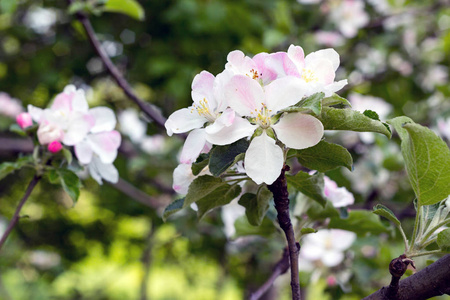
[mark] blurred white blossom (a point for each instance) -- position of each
(9, 107)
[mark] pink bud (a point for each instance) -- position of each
(24, 120)
(331, 280)
(54, 147)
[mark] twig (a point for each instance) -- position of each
(280, 268)
(115, 73)
(16, 217)
(281, 199)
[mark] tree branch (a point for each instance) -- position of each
(281, 198)
(432, 281)
(150, 111)
(281, 267)
(16, 217)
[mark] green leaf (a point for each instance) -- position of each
(360, 222)
(131, 8)
(310, 185)
(348, 119)
(244, 228)
(7, 168)
(8, 6)
(324, 157)
(371, 114)
(223, 157)
(319, 212)
(209, 192)
(313, 102)
(67, 155)
(335, 100)
(307, 230)
(443, 240)
(201, 162)
(383, 211)
(256, 205)
(17, 129)
(427, 159)
(68, 180)
(172, 208)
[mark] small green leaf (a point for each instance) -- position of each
(67, 155)
(307, 230)
(53, 177)
(17, 129)
(427, 159)
(383, 211)
(7, 168)
(310, 185)
(319, 212)
(131, 8)
(324, 157)
(223, 157)
(172, 208)
(371, 114)
(443, 240)
(201, 162)
(360, 222)
(70, 183)
(313, 102)
(335, 100)
(256, 205)
(348, 119)
(243, 228)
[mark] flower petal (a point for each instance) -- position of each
(284, 92)
(327, 54)
(299, 131)
(184, 120)
(297, 55)
(202, 88)
(105, 145)
(182, 178)
(263, 159)
(193, 146)
(78, 127)
(244, 95)
(105, 119)
(35, 112)
(79, 102)
(99, 170)
(224, 120)
(83, 152)
(229, 134)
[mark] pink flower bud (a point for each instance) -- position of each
(24, 120)
(331, 280)
(54, 147)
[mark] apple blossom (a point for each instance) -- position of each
(339, 196)
(9, 106)
(24, 120)
(48, 132)
(349, 16)
(264, 158)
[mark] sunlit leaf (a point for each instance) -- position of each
(131, 8)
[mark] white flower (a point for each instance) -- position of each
(9, 106)
(339, 196)
(349, 16)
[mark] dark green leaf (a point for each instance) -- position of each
(223, 157)
(347, 119)
(335, 100)
(318, 212)
(360, 222)
(70, 183)
(53, 177)
(427, 159)
(256, 205)
(243, 228)
(172, 208)
(7, 168)
(371, 114)
(310, 185)
(443, 240)
(383, 211)
(201, 162)
(131, 8)
(325, 157)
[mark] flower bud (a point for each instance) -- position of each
(24, 120)
(48, 133)
(54, 147)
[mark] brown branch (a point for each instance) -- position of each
(280, 268)
(430, 282)
(16, 217)
(281, 199)
(150, 111)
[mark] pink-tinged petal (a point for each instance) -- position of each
(334, 87)
(297, 55)
(24, 120)
(202, 88)
(244, 95)
(239, 63)
(240, 128)
(105, 119)
(79, 102)
(99, 170)
(105, 145)
(263, 160)
(322, 70)
(276, 65)
(62, 102)
(184, 120)
(54, 147)
(193, 146)
(83, 152)
(48, 133)
(325, 54)
(224, 120)
(299, 131)
(219, 89)
(77, 128)
(182, 178)
(284, 92)
(35, 112)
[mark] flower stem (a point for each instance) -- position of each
(281, 199)
(16, 217)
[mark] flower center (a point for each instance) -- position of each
(262, 116)
(203, 110)
(308, 75)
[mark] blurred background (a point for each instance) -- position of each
(113, 244)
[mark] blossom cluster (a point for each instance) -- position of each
(70, 122)
(247, 100)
